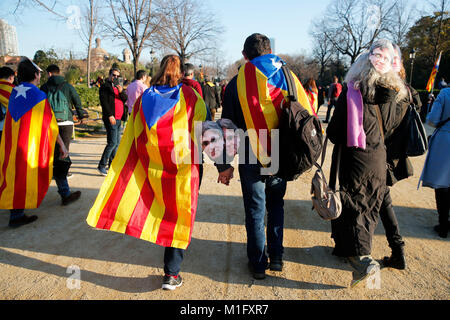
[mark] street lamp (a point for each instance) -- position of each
(412, 56)
(151, 59)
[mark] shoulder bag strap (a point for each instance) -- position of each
(292, 92)
(380, 122)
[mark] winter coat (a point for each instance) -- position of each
(362, 173)
(107, 97)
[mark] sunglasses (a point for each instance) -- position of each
(116, 75)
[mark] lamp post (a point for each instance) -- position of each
(151, 59)
(412, 56)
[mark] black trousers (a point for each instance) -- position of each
(390, 223)
(443, 205)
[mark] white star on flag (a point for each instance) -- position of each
(21, 91)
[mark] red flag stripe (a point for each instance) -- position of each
(5, 93)
(164, 131)
(138, 218)
(20, 183)
(7, 138)
(44, 154)
(109, 211)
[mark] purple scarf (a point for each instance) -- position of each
(356, 137)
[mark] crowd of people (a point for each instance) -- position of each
(154, 173)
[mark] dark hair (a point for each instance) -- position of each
(113, 69)
(169, 72)
(256, 45)
(140, 74)
(188, 69)
(53, 68)
(6, 72)
(26, 71)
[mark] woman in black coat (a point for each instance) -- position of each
(362, 172)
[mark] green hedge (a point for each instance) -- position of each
(89, 96)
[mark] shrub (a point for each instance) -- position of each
(89, 96)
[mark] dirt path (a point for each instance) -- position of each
(42, 260)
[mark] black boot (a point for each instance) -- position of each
(397, 259)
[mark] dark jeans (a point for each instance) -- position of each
(61, 167)
(172, 260)
(261, 193)
(390, 224)
(443, 205)
(330, 107)
(112, 140)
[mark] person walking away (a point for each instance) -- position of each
(6, 86)
(189, 80)
(260, 192)
(29, 136)
(136, 88)
(364, 111)
(436, 170)
(63, 98)
(399, 167)
(333, 94)
(112, 99)
(211, 97)
(312, 93)
(155, 198)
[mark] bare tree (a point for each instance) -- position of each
(188, 28)
(352, 25)
(402, 20)
(90, 17)
(442, 10)
(47, 5)
(322, 49)
(134, 23)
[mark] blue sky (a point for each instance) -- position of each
(287, 21)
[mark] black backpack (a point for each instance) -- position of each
(301, 138)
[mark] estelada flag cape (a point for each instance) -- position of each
(151, 189)
(5, 92)
(27, 148)
(312, 96)
(262, 88)
(430, 83)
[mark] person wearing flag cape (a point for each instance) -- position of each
(151, 190)
(253, 102)
(27, 147)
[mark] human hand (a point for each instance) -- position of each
(226, 176)
(112, 120)
(119, 88)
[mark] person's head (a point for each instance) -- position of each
(374, 68)
(230, 136)
(256, 45)
(335, 79)
(114, 74)
(212, 139)
(28, 71)
(7, 74)
(169, 72)
(189, 71)
(397, 63)
(141, 75)
(311, 85)
(53, 70)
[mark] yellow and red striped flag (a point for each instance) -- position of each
(430, 84)
(27, 148)
(151, 189)
(261, 89)
(5, 92)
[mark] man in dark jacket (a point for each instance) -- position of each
(55, 83)
(211, 97)
(112, 100)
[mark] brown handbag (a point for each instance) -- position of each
(326, 201)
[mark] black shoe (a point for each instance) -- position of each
(256, 275)
(102, 171)
(276, 265)
(73, 196)
(171, 283)
(442, 232)
(397, 260)
(22, 221)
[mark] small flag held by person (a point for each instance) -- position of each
(430, 84)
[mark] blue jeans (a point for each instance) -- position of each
(261, 193)
(63, 186)
(172, 260)
(112, 140)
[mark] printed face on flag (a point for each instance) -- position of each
(231, 142)
(396, 62)
(381, 60)
(212, 143)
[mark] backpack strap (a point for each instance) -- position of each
(334, 170)
(292, 90)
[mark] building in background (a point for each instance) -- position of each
(8, 40)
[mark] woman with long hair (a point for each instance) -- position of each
(151, 190)
(365, 110)
(312, 93)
